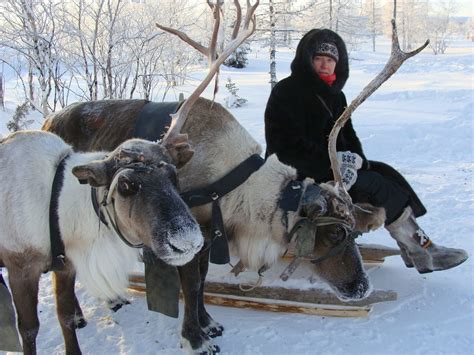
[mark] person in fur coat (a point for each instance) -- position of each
(300, 113)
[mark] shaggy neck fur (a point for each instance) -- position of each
(100, 258)
(258, 234)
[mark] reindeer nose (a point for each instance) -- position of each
(175, 248)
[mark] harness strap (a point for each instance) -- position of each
(334, 251)
(117, 230)
(57, 245)
(95, 204)
(212, 193)
(226, 184)
(219, 246)
(290, 197)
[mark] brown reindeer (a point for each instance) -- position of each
(257, 228)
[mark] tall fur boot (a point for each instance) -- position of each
(418, 250)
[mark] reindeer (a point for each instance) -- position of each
(258, 229)
(136, 187)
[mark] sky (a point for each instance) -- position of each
(466, 8)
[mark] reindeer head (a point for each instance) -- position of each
(336, 257)
(138, 184)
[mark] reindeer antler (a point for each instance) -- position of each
(397, 57)
(214, 59)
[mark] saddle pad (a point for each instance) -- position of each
(154, 120)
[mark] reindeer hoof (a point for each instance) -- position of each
(214, 332)
(206, 348)
(214, 329)
(80, 323)
(115, 305)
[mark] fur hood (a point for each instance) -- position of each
(302, 67)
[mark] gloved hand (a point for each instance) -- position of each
(349, 164)
(352, 160)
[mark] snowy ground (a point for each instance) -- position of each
(421, 122)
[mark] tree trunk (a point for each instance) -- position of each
(330, 14)
(2, 94)
(373, 26)
(31, 88)
(273, 79)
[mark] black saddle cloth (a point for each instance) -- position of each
(154, 120)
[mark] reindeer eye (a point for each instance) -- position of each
(127, 187)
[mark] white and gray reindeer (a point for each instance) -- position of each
(136, 191)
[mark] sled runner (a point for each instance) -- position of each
(224, 289)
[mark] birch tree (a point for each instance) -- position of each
(276, 22)
(30, 29)
(438, 25)
(373, 10)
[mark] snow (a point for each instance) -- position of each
(421, 122)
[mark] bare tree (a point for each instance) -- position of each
(411, 18)
(243, 28)
(373, 10)
(2, 90)
(437, 25)
(277, 21)
(29, 28)
(82, 22)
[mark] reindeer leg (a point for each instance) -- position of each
(66, 303)
(192, 334)
(208, 325)
(24, 286)
(79, 319)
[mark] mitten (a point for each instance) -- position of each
(349, 177)
(352, 160)
(349, 164)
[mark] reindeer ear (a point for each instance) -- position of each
(180, 150)
(94, 173)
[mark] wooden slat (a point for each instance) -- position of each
(269, 306)
(371, 253)
(376, 253)
(312, 295)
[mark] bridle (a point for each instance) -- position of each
(107, 203)
(312, 225)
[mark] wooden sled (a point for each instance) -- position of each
(276, 296)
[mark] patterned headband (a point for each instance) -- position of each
(327, 49)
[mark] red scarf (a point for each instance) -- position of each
(328, 79)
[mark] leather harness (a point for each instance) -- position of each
(57, 245)
(212, 193)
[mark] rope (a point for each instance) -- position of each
(252, 287)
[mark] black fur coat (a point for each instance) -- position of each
(297, 122)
